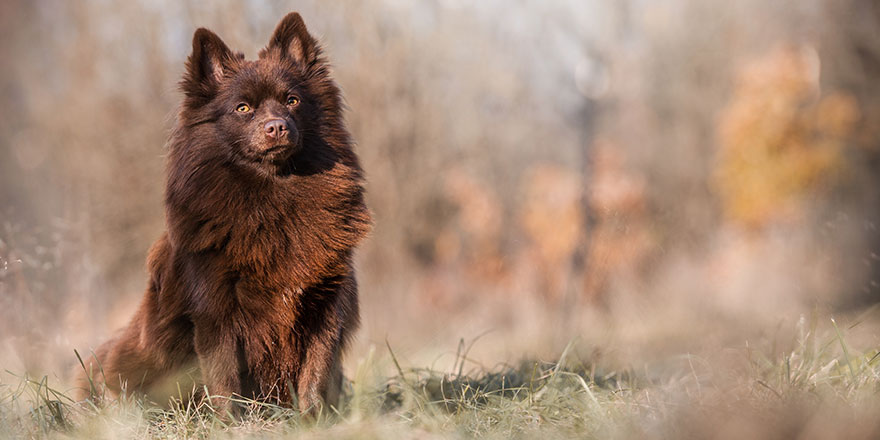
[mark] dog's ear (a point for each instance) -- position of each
(209, 61)
(293, 41)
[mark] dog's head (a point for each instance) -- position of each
(261, 113)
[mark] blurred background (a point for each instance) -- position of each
(640, 177)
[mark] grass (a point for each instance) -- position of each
(821, 387)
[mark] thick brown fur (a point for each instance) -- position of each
(252, 290)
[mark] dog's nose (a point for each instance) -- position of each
(275, 128)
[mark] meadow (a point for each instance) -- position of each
(814, 386)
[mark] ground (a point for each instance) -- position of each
(817, 387)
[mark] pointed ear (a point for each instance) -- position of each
(293, 41)
(209, 61)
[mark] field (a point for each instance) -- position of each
(818, 387)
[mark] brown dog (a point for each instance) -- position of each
(253, 282)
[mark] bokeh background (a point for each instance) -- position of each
(640, 177)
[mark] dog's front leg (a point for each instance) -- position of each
(320, 378)
(217, 349)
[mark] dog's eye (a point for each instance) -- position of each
(292, 101)
(243, 108)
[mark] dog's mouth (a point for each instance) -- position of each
(276, 150)
(274, 156)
